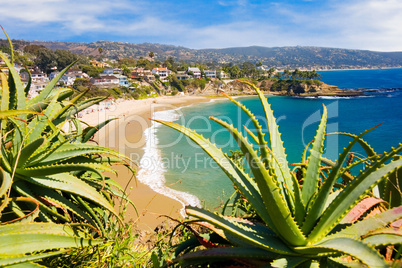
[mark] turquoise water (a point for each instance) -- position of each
(188, 169)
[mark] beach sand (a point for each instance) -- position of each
(126, 135)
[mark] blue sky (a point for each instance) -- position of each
(356, 24)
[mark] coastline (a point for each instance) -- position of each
(126, 135)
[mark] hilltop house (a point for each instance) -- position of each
(98, 64)
(140, 72)
(36, 76)
(149, 78)
(112, 71)
(162, 73)
(123, 81)
(182, 76)
(105, 80)
(194, 71)
(78, 73)
(67, 79)
(210, 73)
(223, 75)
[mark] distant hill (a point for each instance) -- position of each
(285, 57)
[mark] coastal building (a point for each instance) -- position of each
(182, 76)
(39, 77)
(123, 81)
(162, 73)
(66, 79)
(149, 78)
(98, 64)
(223, 75)
(36, 76)
(140, 72)
(108, 71)
(194, 71)
(105, 80)
(78, 73)
(112, 71)
(210, 73)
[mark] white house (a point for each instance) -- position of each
(112, 71)
(161, 72)
(67, 79)
(36, 77)
(196, 72)
(105, 80)
(210, 73)
(78, 73)
(223, 75)
(123, 81)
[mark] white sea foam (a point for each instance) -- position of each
(152, 169)
(333, 97)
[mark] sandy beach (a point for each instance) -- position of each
(126, 135)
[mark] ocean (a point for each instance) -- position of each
(175, 166)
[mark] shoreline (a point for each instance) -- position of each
(126, 135)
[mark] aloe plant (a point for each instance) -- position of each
(49, 173)
(299, 220)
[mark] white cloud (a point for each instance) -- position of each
(76, 15)
(361, 24)
(372, 24)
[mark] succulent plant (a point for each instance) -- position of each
(300, 216)
(52, 187)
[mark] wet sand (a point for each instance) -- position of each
(126, 135)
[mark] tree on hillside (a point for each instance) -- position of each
(233, 71)
(92, 71)
(176, 83)
(64, 58)
(46, 60)
(126, 71)
(248, 69)
(315, 75)
(270, 72)
(151, 55)
(287, 73)
(32, 49)
(278, 75)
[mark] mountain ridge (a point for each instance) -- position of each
(309, 57)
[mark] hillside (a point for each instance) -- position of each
(286, 57)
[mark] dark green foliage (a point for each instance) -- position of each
(92, 71)
(198, 83)
(176, 83)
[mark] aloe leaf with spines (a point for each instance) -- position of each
(314, 242)
(323, 193)
(235, 173)
(276, 142)
(270, 189)
(19, 239)
(312, 172)
(49, 87)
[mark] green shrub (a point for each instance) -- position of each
(52, 187)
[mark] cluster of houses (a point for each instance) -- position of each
(110, 77)
(163, 73)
